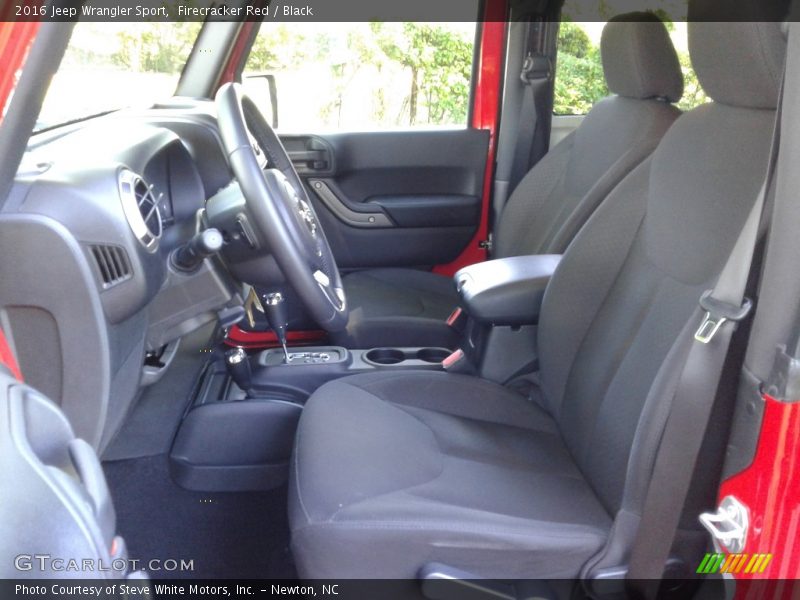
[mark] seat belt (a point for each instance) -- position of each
(694, 398)
(535, 75)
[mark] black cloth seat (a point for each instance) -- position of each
(407, 307)
(399, 307)
(491, 483)
(398, 469)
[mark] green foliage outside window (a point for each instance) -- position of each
(158, 48)
(435, 63)
(579, 77)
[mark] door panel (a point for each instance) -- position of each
(397, 198)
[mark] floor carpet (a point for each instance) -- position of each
(227, 535)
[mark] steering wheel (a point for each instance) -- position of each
(280, 208)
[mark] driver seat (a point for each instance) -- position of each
(406, 307)
(396, 470)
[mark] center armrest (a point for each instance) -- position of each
(506, 291)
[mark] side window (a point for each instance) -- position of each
(109, 66)
(363, 76)
(579, 80)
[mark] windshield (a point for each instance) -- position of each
(109, 66)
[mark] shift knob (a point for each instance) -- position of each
(275, 310)
(191, 255)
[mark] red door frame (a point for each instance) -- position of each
(16, 38)
(486, 115)
(770, 489)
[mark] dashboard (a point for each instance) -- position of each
(96, 210)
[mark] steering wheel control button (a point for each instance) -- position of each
(322, 279)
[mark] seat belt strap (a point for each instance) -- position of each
(694, 398)
(536, 72)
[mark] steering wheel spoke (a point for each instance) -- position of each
(335, 294)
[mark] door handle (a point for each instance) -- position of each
(316, 160)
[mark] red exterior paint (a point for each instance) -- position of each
(485, 115)
(267, 339)
(15, 43)
(770, 489)
(240, 47)
(7, 357)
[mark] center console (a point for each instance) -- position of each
(235, 439)
(239, 431)
(502, 299)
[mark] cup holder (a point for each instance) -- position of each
(433, 355)
(385, 356)
(407, 358)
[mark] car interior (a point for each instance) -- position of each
(237, 346)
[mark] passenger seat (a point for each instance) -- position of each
(409, 307)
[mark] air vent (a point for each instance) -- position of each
(113, 264)
(140, 204)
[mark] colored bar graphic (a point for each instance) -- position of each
(734, 563)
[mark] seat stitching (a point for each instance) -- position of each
(599, 309)
(623, 353)
(418, 525)
(367, 388)
(460, 527)
(466, 456)
(477, 420)
(297, 475)
(433, 435)
(409, 490)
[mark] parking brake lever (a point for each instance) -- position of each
(275, 311)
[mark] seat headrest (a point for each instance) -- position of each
(639, 59)
(738, 62)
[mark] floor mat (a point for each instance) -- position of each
(227, 535)
(149, 428)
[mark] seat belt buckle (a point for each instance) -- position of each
(717, 314)
(536, 67)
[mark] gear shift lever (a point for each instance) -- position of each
(276, 316)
